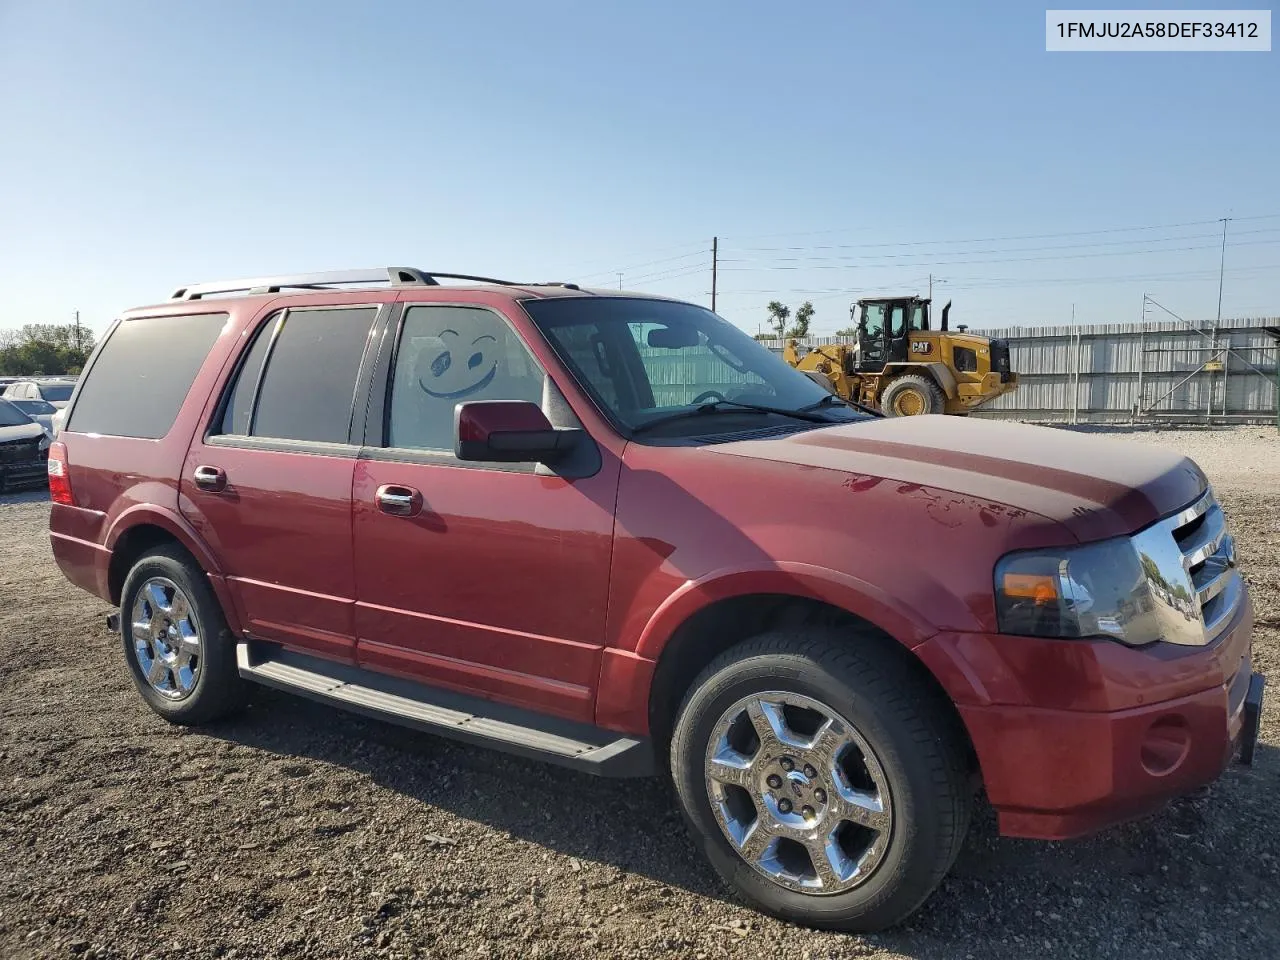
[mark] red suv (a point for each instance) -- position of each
(614, 532)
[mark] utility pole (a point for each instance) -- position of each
(931, 286)
(619, 279)
(715, 257)
(77, 331)
(1222, 263)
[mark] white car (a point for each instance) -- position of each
(54, 390)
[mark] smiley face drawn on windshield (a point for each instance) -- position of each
(457, 368)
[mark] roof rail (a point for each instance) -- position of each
(396, 276)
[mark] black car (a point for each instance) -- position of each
(24, 449)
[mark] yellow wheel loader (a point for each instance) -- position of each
(902, 368)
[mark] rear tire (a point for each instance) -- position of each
(176, 641)
(894, 745)
(912, 394)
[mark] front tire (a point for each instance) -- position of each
(176, 641)
(911, 395)
(825, 783)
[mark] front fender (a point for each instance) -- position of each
(626, 676)
(805, 580)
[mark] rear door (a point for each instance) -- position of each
(496, 583)
(268, 484)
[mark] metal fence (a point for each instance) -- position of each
(1135, 371)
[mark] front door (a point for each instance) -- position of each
(899, 333)
(269, 486)
(871, 338)
(488, 578)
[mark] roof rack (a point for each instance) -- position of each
(396, 276)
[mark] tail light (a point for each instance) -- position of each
(60, 476)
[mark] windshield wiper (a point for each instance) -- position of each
(727, 406)
(831, 400)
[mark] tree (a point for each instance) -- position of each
(44, 349)
(778, 317)
(847, 332)
(804, 313)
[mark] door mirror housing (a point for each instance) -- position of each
(508, 431)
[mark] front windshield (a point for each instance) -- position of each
(645, 359)
(56, 392)
(11, 416)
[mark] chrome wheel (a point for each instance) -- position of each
(799, 792)
(166, 638)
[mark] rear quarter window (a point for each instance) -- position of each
(144, 372)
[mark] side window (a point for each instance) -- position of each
(306, 389)
(449, 355)
(916, 318)
(127, 393)
(966, 360)
(875, 320)
(235, 420)
(897, 323)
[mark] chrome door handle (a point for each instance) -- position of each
(213, 479)
(398, 501)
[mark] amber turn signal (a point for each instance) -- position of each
(1029, 586)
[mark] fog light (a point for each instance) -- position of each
(1165, 745)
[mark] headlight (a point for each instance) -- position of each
(1097, 590)
(45, 442)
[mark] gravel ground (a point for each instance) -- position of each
(297, 831)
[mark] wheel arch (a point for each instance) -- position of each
(683, 637)
(939, 373)
(142, 529)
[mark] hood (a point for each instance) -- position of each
(23, 431)
(1096, 487)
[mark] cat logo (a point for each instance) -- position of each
(922, 346)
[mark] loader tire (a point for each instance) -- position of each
(911, 395)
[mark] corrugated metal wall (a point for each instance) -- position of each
(671, 374)
(1117, 371)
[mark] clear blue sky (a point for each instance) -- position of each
(838, 149)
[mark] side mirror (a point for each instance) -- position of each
(508, 431)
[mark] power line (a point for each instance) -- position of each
(682, 246)
(637, 266)
(670, 275)
(844, 263)
(1032, 236)
(996, 283)
(1060, 246)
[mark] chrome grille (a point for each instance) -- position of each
(19, 451)
(1189, 561)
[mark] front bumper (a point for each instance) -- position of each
(24, 473)
(1074, 736)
